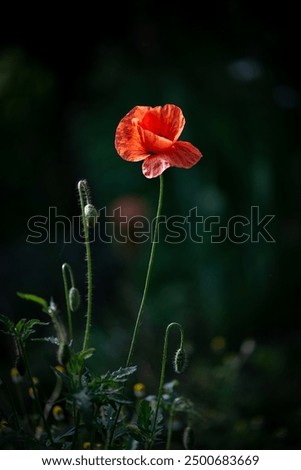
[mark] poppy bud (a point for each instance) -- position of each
(179, 361)
(91, 215)
(74, 299)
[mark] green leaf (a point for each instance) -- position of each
(49, 339)
(8, 323)
(34, 298)
(144, 416)
(120, 399)
(24, 328)
(122, 373)
(135, 432)
(83, 355)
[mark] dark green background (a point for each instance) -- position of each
(233, 68)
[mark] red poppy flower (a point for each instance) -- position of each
(151, 134)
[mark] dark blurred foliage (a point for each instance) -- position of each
(65, 82)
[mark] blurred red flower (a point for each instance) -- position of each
(151, 134)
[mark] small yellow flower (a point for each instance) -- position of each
(15, 375)
(218, 343)
(39, 431)
(35, 380)
(31, 393)
(87, 445)
(60, 368)
(3, 425)
(139, 390)
(58, 413)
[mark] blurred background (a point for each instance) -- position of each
(66, 80)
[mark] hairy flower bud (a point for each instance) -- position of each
(180, 361)
(74, 299)
(90, 215)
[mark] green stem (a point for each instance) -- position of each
(58, 326)
(53, 397)
(148, 275)
(143, 299)
(84, 199)
(75, 434)
(10, 398)
(65, 268)
(162, 376)
(170, 423)
(24, 355)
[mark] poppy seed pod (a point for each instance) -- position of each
(180, 361)
(74, 299)
(90, 215)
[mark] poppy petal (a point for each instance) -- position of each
(184, 155)
(166, 121)
(153, 143)
(180, 155)
(154, 165)
(127, 137)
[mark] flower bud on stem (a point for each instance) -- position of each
(71, 295)
(84, 197)
(162, 376)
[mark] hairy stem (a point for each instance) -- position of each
(148, 275)
(46, 427)
(65, 268)
(162, 376)
(84, 199)
(143, 299)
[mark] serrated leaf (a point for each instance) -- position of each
(120, 399)
(122, 373)
(24, 328)
(8, 333)
(135, 432)
(34, 298)
(68, 433)
(8, 323)
(49, 339)
(144, 416)
(83, 355)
